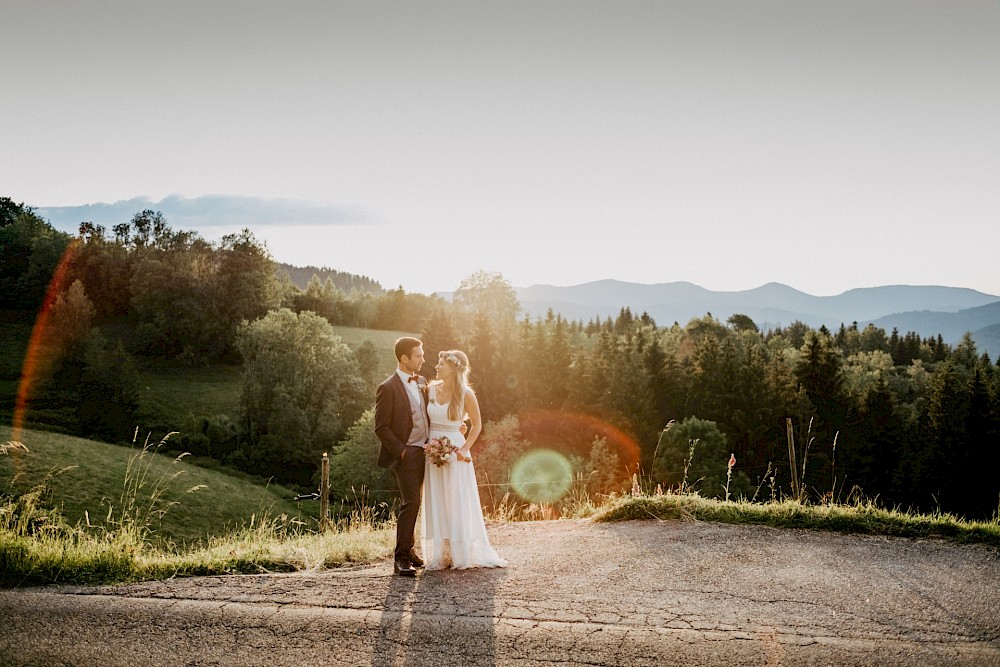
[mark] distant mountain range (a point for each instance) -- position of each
(205, 213)
(928, 310)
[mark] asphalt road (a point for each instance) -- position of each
(576, 593)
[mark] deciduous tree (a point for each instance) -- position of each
(301, 388)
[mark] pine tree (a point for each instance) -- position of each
(438, 334)
(980, 493)
(819, 373)
(486, 375)
(557, 361)
(945, 442)
(897, 350)
(878, 437)
(658, 382)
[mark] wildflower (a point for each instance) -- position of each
(729, 474)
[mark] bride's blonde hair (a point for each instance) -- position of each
(458, 382)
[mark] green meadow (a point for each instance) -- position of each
(173, 392)
(87, 480)
(382, 340)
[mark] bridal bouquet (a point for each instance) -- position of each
(440, 451)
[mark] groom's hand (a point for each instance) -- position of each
(463, 429)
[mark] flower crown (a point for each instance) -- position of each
(454, 361)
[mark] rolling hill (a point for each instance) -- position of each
(84, 476)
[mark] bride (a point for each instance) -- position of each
(453, 530)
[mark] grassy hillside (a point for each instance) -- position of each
(211, 390)
(93, 475)
(215, 389)
(383, 341)
(170, 394)
(173, 392)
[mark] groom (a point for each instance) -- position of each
(402, 426)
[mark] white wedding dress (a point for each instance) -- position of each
(452, 526)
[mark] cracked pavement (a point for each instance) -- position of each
(576, 593)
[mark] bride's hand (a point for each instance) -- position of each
(463, 455)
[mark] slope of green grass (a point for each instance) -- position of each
(174, 391)
(383, 342)
(86, 476)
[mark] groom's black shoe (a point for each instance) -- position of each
(415, 560)
(403, 568)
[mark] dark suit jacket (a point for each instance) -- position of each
(393, 422)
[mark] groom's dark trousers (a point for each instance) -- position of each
(410, 477)
(394, 427)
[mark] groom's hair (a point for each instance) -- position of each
(405, 345)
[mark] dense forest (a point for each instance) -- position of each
(890, 416)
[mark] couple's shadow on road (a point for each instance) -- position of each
(436, 615)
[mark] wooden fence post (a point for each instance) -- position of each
(324, 494)
(791, 457)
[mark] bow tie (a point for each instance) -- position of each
(414, 378)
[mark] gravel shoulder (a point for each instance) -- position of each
(577, 593)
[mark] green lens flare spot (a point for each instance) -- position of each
(542, 476)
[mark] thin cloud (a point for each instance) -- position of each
(207, 211)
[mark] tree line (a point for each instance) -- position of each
(143, 293)
(905, 420)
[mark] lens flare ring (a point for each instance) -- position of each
(542, 476)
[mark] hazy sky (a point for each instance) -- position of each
(825, 145)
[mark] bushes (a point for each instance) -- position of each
(353, 472)
(84, 383)
(301, 388)
(694, 454)
(109, 394)
(214, 436)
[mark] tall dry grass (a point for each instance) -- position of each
(38, 546)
